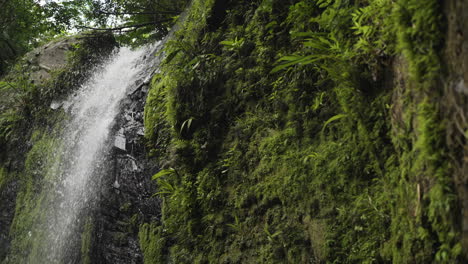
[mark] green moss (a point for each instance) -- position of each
(86, 241)
(38, 176)
(305, 163)
(420, 39)
(424, 226)
(29, 135)
(4, 178)
(152, 243)
(156, 126)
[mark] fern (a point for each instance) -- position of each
(164, 173)
(324, 3)
(165, 188)
(323, 48)
(333, 118)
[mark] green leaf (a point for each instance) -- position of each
(163, 173)
(306, 34)
(171, 55)
(186, 124)
(334, 118)
(318, 100)
(227, 42)
(293, 60)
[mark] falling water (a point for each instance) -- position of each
(86, 140)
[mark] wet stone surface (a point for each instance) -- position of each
(7, 211)
(126, 197)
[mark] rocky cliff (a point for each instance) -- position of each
(273, 132)
(29, 118)
(310, 132)
(127, 193)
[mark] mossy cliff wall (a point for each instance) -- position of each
(311, 131)
(298, 131)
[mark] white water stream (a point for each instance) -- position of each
(86, 140)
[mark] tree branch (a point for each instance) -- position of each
(139, 13)
(129, 26)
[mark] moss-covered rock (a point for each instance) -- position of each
(303, 132)
(30, 134)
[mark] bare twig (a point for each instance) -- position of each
(139, 13)
(129, 26)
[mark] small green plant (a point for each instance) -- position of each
(318, 101)
(271, 237)
(236, 226)
(164, 172)
(165, 186)
(310, 157)
(234, 45)
(332, 119)
(18, 99)
(323, 48)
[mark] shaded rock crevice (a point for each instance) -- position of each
(126, 198)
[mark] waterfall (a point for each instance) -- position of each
(86, 141)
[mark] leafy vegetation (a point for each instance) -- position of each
(137, 21)
(25, 24)
(302, 131)
(19, 24)
(297, 137)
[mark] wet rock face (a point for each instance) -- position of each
(38, 66)
(7, 210)
(455, 103)
(48, 58)
(126, 196)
